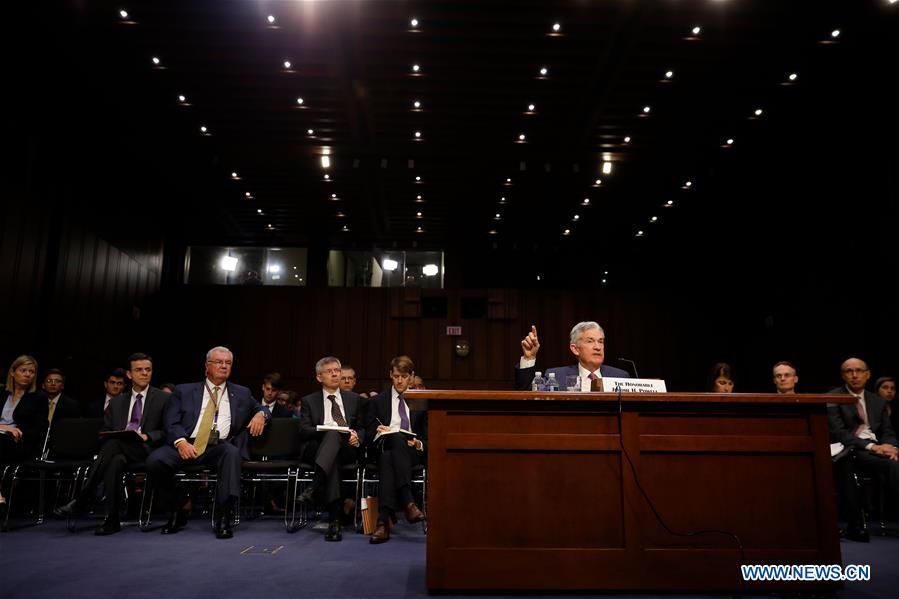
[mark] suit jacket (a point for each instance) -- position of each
(280, 411)
(380, 408)
(66, 407)
(524, 376)
(30, 417)
(844, 420)
(312, 414)
(94, 408)
(151, 420)
(182, 411)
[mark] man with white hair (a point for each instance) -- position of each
(207, 423)
(587, 342)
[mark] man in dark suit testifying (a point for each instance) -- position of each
(587, 343)
(864, 426)
(139, 410)
(207, 423)
(329, 449)
(388, 414)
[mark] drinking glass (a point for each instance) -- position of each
(573, 383)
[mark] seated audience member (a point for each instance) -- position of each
(587, 342)
(886, 388)
(417, 383)
(271, 387)
(328, 450)
(167, 387)
(865, 427)
(139, 409)
(207, 423)
(395, 453)
(23, 415)
(785, 377)
(291, 401)
(59, 405)
(114, 384)
(348, 383)
(721, 378)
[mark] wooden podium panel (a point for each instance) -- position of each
(548, 491)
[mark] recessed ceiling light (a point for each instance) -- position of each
(688, 184)
(669, 74)
(345, 228)
(575, 217)
(557, 27)
(234, 175)
(418, 198)
(566, 232)
(340, 215)
(627, 139)
(730, 141)
(416, 68)
(491, 232)
(327, 177)
(586, 202)
(497, 216)
(758, 112)
(123, 14)
(259, 211)
(417, 178)
(182, 98)
(669, 203)
(418, 214)
(597, 182)
(647, 109)
(155, 60)
(502, 200)
(269, 226)
(607, 168)
(639, 233)
(333, 196)
(532, 107)
(419, 230)
(521, 137)
(508, 180)
(248, 194)
(413, 23)
(310, 132)
(286, 64)
(653, 219)
(271, 19)
(416, 104)
(835, 33)
(418, 134)
(544, 71)
(203, 129)
(300, 101)
(793, 76)
(697, 30)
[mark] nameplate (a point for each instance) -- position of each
(614, 385)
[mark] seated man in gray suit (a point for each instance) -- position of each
(587, 342)
(139, 409)
(864, 426)
(329, 449)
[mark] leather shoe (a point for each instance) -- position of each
(177, 521)
(72, 508)
(413, 514)
(109, 526)
(381, 534)
(334, 533)
(859, 535)
(307, 497)
(223, 527)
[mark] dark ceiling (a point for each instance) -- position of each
(351, 62)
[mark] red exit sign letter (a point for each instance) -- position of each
(454, 331)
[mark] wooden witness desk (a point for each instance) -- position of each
(532, 490)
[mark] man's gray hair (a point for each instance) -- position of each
(326, 360)
(582, 327)
(218, 348)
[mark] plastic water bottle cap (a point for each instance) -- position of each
(538, 373)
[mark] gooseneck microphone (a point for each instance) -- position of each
(632, 363)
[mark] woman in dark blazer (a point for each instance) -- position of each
(23, 414)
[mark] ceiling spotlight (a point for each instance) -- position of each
(669, 74)
(248, 194)
(418, 134)
(730, 141)
(557, 27)
(300, 101)
(688, 184)
(333, 196)
(258, 210)
(270, 227)
(544, 71)
(653, 219)
(521, 137)
(418, 215)
(639, 233)
(271, 19)
(413, 23)
(430, 270)
(327, 177)
(155, 60)
(508, 181)
(758, 112)
(566, 232)
(697, 30)
(646, 109)
(491, 232)
(419, 230)
(418, 178)
(416, 68)
(345, 229)
(234, 175)
(286, 64)
(388, 264)
(310, 132)
(416, 104)
(607, 168)
(835, 33)
(497, 216)
(418, 199)
(326, 162)
(532, 107)
(203, 129)
(627, 139)
(340, 215)
(793, 77)
(123, 14)
(586, 202)
(182, 98)
(228, 263)
(669, 203)
(597, 182)
(575, 217)
(502, 200)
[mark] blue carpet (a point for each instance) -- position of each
(264, 561)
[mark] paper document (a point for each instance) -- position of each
(339, 429)
(408, 434)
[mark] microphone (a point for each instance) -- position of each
(632, 363)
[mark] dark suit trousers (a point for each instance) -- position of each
(330, 452)
(395, 473)
(114, 457)
(224, 457)
(878, 465)
(848, 491)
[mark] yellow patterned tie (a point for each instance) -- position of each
(206, 423)
(50, 413)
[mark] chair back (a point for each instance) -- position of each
(74, 438)
(280, 439)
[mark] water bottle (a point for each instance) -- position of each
(552, 384)
(539, 383)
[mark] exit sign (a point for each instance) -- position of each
(454, 331)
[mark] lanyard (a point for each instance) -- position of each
(215, 402)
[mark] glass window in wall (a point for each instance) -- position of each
(379, 268)
(249, 266)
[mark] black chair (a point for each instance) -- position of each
(203, 475)
(275, 458)
(70, 448)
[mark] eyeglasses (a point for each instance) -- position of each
(854, 370)
(220, 362)
(53, 381)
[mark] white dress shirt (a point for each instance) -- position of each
(329, 420)
(223, 421)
